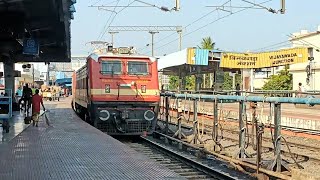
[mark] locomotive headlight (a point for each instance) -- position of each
(149, 115)
(143, 89)
(104, 115)
(107, 88)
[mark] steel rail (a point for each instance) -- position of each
(268, 172)
(201, 167)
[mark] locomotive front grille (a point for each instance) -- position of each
(136, 126)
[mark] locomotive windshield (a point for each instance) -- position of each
(111, 67)
(137, 68)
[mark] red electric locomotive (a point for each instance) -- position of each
(118, 92)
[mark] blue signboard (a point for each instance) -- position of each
(30, 46)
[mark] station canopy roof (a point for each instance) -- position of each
(35, 30)
(64, 81)
(190, 61)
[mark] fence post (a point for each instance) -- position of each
(215, 123)
(277, 135)
(242, 114)
(195, 121)
(167, 114)
(277, 163)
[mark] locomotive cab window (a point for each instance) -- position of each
(111, 67)
(138, 68)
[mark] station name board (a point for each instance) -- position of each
(265, 59)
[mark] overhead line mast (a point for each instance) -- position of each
(151, 29)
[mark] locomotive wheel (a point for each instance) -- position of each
(95, 123)
(87, 118)
(5, 126)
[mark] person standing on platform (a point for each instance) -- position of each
(238, 89)
(301, 90)
(36, 101)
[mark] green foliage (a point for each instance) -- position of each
(281, 81)
(207, 43)
(174, 82)
(227, 84)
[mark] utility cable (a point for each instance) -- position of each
(236, 12)
(115, 17)
(193, 22)
(105, 26)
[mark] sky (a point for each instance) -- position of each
(249, 30)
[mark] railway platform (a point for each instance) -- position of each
(65, 147)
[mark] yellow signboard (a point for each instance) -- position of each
(265, 59)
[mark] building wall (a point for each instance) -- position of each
(163, 80)
(299, 70)
(76, 63)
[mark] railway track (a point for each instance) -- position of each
(208, 130)
(182, 163)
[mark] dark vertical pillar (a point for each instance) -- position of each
(8, 66)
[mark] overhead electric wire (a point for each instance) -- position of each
(209, 24)
(116, 15)
(105, 26)
(272, 45)
(188, 24)
(301, 40)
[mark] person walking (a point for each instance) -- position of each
(36, 101)
(301, 89)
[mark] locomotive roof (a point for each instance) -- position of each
(96, 56)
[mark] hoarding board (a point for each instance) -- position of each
(265, 59)
(197, 56)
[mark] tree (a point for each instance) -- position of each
(174, 82)
(207, 43)
(281, 81)
(228, 81)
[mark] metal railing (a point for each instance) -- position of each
(269, 93)
(215, 98)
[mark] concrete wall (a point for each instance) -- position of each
(298, 70)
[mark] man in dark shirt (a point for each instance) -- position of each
(27, 95)
(238, 89)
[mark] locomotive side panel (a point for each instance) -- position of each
(81, 92)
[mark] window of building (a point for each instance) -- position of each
(137, 68)
(111, 67)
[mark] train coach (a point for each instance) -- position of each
(117, 91)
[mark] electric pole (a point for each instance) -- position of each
(112, 34)
(152, 41)
(180, 38)
(152, 30)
